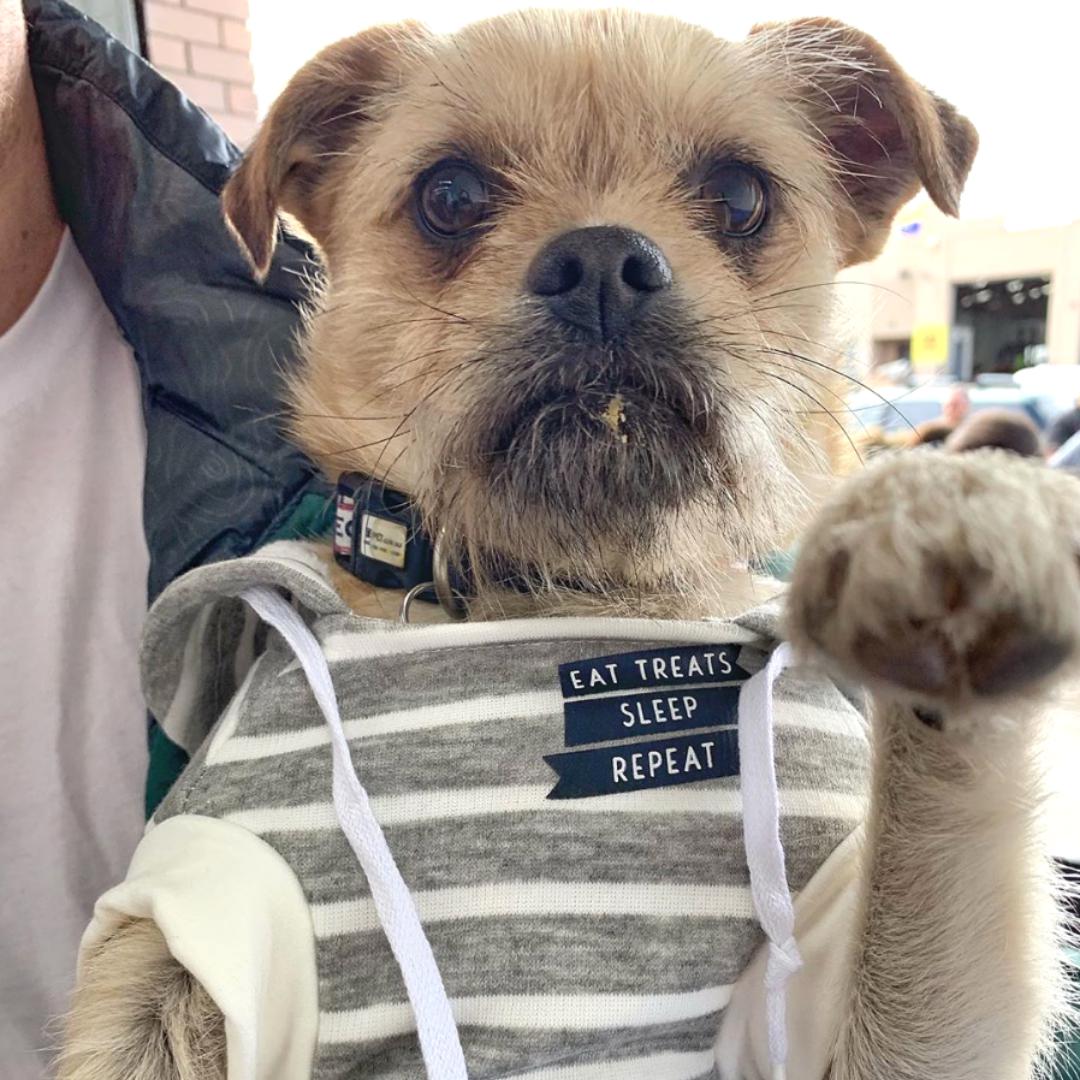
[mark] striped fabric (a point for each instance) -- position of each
(579, 939)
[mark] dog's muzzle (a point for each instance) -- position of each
(607, 438)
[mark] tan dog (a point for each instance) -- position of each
(576, 304)
(430, 341)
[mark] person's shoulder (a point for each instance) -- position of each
(212, 344)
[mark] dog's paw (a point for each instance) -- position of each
(944, 579)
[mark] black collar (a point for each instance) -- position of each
(378, 537)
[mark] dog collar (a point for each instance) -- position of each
(379, 539)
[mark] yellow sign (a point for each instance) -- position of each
(930, 345)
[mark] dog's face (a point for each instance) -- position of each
(576, 267)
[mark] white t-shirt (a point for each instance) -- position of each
(73, 567)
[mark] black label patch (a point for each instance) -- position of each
(660, 692)
(610, 769)
(657, 667)
(623, 716)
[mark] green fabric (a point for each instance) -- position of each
(1067, 1066)
(167, 762)
(777, 564)
(1067, 1063)
(312, 517)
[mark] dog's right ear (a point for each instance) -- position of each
(883, 133)
(295, 155)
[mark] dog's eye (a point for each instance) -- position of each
(452, 199)
(736, 194)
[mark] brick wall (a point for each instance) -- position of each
(204, 47)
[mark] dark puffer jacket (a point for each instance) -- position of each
(136, 169)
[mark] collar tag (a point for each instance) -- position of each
(383, 540)
(378, 537)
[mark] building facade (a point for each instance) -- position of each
(204, 46)
(970, 296)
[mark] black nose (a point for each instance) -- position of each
(599, 279)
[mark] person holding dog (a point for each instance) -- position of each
(129, 377)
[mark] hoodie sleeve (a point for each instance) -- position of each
(826, 913)
(248, 940)
(200, 641)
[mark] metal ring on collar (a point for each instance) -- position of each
(410, 596)
(451, 601)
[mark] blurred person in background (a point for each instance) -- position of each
(135, 355)
(929, 433)
(1006, 429)
(957, 406)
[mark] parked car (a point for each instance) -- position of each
(1042, 392)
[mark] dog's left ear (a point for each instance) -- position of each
(885, 133)
(299, 149)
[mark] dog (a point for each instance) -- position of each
(576, 305)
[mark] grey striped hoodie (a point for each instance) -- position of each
(561, 797)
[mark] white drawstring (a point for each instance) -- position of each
(437, 1031)
(764, 849)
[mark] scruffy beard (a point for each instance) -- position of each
(629, 470)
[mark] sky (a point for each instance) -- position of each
(1012, 68)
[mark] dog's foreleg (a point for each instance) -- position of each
(139, 1015)
(955, 972)
(949, 586)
